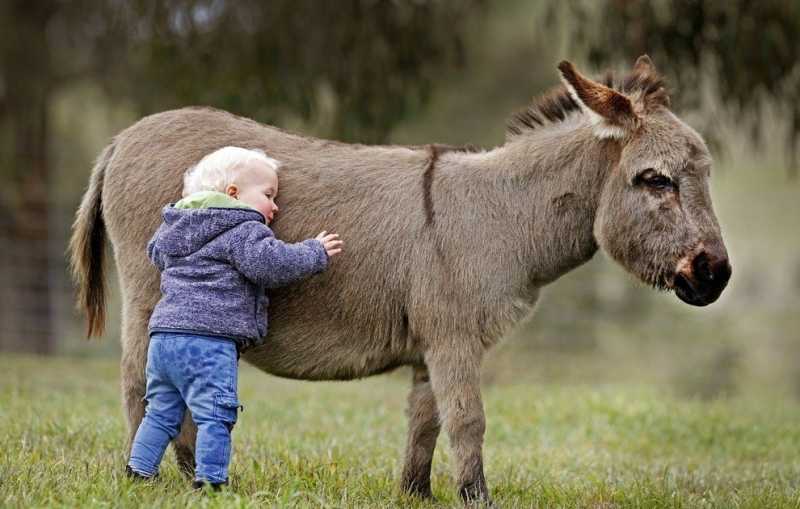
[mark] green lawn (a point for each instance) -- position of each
(340, 445)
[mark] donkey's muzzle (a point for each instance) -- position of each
(703, 283)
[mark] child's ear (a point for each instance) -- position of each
(232, 190)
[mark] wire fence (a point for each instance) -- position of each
(35, 290)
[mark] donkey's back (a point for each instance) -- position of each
(349, 322)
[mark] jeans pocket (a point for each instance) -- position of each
(226, 409)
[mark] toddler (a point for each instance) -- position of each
(217, 257)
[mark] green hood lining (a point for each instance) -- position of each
(211, 199)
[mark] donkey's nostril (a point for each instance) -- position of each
(722, 272)
(701, 268)
(710, 270)
(704, 283)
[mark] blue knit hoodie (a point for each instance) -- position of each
(217, 257)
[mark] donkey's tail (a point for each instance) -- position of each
(86, 248)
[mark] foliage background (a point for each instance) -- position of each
(75, 73)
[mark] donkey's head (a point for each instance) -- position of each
(655, 215)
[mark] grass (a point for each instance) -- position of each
(340, 445)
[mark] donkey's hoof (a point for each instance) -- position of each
(421, 490)
(476, 495)
(482, 503)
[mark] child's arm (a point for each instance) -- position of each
(152, 250)
(255, 252)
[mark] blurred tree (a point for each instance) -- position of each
(754, 45)
(354, 68)
(25, 87)
(368, 63)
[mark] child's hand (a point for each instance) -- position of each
(331, 242)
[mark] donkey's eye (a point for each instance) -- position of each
(654, 180)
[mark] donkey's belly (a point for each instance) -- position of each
(301, 354)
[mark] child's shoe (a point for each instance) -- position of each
(133, 474)
(215, 486)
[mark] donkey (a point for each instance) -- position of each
(447, 248)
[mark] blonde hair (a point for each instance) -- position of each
(218, 169)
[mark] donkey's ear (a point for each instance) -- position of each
(644, 65)
(611, 112)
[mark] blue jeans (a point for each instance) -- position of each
(198, 372)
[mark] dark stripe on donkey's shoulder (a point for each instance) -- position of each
(434, 151)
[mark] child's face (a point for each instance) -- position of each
(256, 184)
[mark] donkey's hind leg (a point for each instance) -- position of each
(184, 445)
(423, 429)
(134, 361)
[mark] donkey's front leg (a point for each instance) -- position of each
(455, 379)
(423, 429)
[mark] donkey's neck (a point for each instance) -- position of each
(547, 183)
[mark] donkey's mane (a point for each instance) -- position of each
(557, 104)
